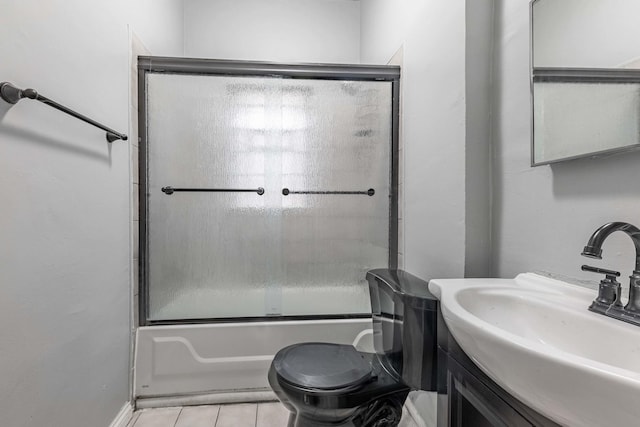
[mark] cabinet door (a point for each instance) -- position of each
(472, 404)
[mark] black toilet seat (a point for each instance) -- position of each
(323, 366)
(331, 385)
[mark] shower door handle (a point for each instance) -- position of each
(170, 190)
(369, 192)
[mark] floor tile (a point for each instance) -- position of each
(198, 416)
(134, 418)
(158, 417)
(242, 415)
(272, 415)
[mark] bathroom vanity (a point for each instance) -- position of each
(528, 352)
(468, 397)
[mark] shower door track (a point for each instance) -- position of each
(258, 319)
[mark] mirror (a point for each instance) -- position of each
(585, 77)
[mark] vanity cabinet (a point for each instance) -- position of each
(467, 397)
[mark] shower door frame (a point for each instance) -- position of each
(215, 67)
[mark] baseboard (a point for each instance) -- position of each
(123, 417)
(206, 399)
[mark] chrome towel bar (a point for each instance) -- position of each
(369, 192)
(170, 190)
(12, 95)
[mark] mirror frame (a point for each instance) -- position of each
(573, 75)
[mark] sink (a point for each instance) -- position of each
(534, 336)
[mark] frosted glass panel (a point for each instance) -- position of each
(573, 119)
(217, 255)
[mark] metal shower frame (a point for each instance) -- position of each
(213, 67)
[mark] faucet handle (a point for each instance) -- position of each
(611, 275)
(608, 291)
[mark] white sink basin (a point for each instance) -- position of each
(535, 337)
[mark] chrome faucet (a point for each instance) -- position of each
(630, 312)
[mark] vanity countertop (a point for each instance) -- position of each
(534, 336)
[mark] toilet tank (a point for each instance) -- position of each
(404, 326)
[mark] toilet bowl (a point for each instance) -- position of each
(326, 384)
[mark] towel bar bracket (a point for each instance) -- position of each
(10, 93)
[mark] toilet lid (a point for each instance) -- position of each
(322, 366)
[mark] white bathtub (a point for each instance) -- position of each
(210, 359)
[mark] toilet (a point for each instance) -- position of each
(326, 384)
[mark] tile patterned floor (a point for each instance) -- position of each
(271, 414)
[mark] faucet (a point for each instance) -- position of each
(631, 312)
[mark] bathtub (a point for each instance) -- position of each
(225, 362)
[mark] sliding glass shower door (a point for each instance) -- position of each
(266, 196)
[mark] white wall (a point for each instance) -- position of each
(542, 217)
(159, 24)
(435, 88)
(479, 96)
(275, 30)
(65, 211)
(385, 26)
